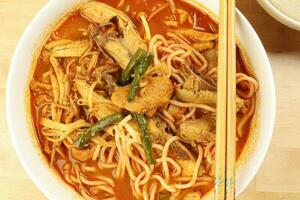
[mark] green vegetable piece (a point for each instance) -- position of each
(83, 139)
(135, 85)
(137, 58)
(139, 70)
(145, 137)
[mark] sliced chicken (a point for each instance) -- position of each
(178, 150)
(204, 97)
(197, 130)
(101, 106)
(211, 56)
(66, 48)
(198, 35)
(82, 155)
(153, 96)
(114, 32)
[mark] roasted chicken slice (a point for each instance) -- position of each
(153, 96)
(198, 130)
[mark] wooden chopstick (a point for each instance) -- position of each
(226, 105)
(221, 105)
(231, 104)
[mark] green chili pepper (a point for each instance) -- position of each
(83, 139)
(139, 70)
(145, 137)
(137, 58)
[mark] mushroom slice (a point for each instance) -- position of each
(114, 33)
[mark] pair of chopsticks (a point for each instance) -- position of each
(226, 106)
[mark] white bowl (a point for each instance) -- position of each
(283, 11)
(27, 147)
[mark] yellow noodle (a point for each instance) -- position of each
(212, 71)
(253, 84)
(145, 192)
(88, 168)
(111, 154)
(170, 117)
(76, 168)
(177, 77)
(195, 174)
(199, 179)
(163, 183)
(72, 127)
(246, 117)
(139, 161)
(171, 57)
(133, 133)
(172, 126)
(153, 191)
(146, 26)
(91, 94)
(137, 183)
(164, 157)
(156, 38)
(96, 152)
(67, 178)
(84, 194)
(74, 179)
(175, 195)
(165, 49)
(208, 154)
(125, 121)
(156, 45)
(91, 183)
(104, 188)
(118, 171)
(123, 154)
(193, 105)
(187, 116)
(174, 164)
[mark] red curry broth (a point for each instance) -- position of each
(72, 28)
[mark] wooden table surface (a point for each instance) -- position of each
(277, 179)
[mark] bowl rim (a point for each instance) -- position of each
(10, 112)
(279, 15)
